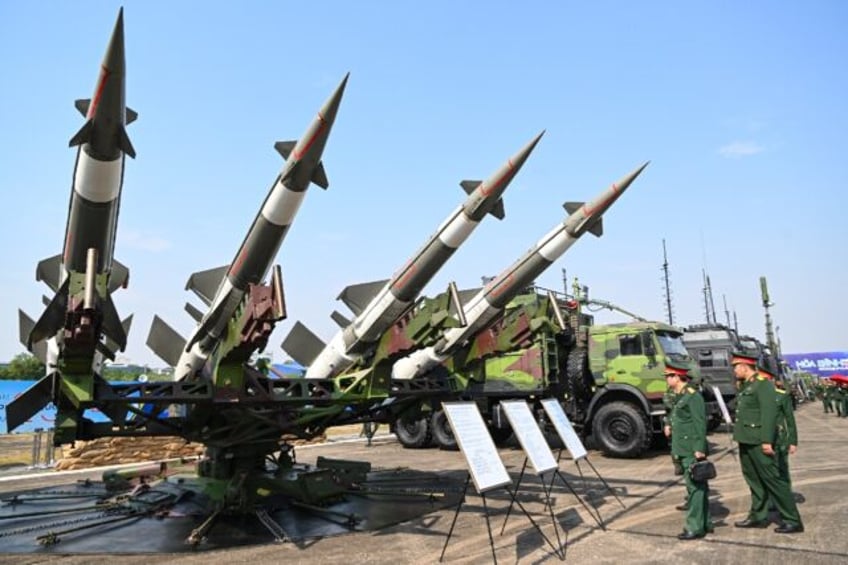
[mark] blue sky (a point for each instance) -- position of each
(739, 106)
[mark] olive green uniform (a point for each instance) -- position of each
(843, 397)
(787, 433)
(669, 400)
(756, 415)
(827, 398)
(688, 435)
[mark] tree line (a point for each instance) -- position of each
(27, 367)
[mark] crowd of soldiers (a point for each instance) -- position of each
(834, 395)
(767, 436)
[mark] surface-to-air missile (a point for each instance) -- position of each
(377, 305)
(80, 325)
(489, 302)
(225, 289)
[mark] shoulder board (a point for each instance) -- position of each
(690, 390)
(760, 378)
(780, 391)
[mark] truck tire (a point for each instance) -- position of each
(621, 430)
(442, 432)
(577, 373)
(414, 434)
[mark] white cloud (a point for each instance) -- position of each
(738, 149)
(143, 241)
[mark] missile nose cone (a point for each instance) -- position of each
(588, 216)
(328, 111)
(525, 151)
(113, 61)
(625, 182)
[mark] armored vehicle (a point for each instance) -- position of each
(608, 377)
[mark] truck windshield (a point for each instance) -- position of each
(672, 345)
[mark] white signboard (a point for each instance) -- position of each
(529, 435)
(484, 463)
(724, 412)
(564, 428)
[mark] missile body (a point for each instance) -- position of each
(95, 197)
(396, 295)
(83, 277)
(484, 307)
(223, 289)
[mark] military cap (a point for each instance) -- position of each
(677, 370)
(746, 358)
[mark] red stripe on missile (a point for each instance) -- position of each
(101, 84)
(486, 192)
(299, 153)
(589, 210)
(502, 285)
(410, 270)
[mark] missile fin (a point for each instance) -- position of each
(108, 347)
(82, 105)
(319, 176)
(572, 207)
(124, 142)
(205, 283)
(112, 327)
(30, 402)
(83, 135)
(597, 227)
(285, 148)
(52, 319)
(25, 325)
(498, 209)
(194, 312)
(119, 277)
(132, 116)
(165, 342)
(303, 345)
(49, 270)
(340, 319)
(357, 296)
(470, 186)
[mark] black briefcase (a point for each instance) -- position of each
(702, 470)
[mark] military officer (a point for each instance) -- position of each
(669, 399)
(827, 396)
(689, 443)
(756, 430)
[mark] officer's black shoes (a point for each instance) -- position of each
(748, 523)
(686, 535)
(789, 529)
(682, 507)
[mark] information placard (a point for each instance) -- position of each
(484, 463)
(529, 435)
(564, 428)
(725, 413)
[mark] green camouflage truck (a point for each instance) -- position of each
(609, 377)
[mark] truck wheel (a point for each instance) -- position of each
(577, 372)
(621, 430)
(414, 434)
(442, 432)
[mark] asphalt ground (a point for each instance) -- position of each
(644, 531)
